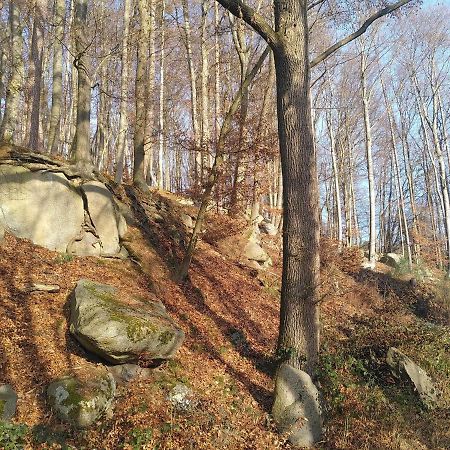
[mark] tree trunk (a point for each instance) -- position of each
(9, 121)
(123, 116)
(37, 39)
(299, 314)
(81, 142)
(370, 175)
(162, 130)
(55, 120)
(141, 96)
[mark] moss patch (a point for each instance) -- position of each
(137, 328)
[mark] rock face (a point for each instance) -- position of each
(296, 409)
(403, 367)
(40, 206)
(104, 216)
(268, 228)
(81, 402)
(49, 209)
(254, 252)
(8, 402)
(391, 259)
(121, 332)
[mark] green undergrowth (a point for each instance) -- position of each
(366, 406)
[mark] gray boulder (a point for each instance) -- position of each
(105, 217)
(81, 402)
(391, 259)
(268, 228)
(125, 373)
(296, 409)
(182, 397)
(255, 252)
(187, 221)
(8, 402)
(86, 244)
(121, 332)
(404, 367)
(41, 206)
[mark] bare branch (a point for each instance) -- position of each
(241, 10)
(357, 33)
(314, 4)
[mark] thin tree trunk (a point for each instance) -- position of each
(216, 169)
(368, 143)
(123, 116)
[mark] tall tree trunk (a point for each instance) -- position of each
(57, 77)
(205, 129)
(81, 142)
(401, 200)
(192, 78)
(9, 121)
(37, 42)
(150, 119)
(299, 313)
(368, 142)
(161, 136)
(141, 88)
(337, 190)
(123, 116)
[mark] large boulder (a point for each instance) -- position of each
(41, 206)
(8, 402)
(81, 401)
(296, 410)
(268, 228)
(404, 367)
(254, 252)
(391, 259)
(105, 217)
(119, 331)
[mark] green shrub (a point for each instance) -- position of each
(12, 436)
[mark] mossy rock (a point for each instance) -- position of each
(81, 402)
(8, 402)
(121, 332)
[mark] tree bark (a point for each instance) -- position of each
(81, 143)
(123, 116)
(57, 86)
(9, 121)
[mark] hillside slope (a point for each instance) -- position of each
(230, 316)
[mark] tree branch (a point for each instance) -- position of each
(241, 10)
(357, 33)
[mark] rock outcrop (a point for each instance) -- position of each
(296, 410)
(119, 331)
(404, 367)
(41, 206)
(53, 211)
(82, 401)
(391, 259)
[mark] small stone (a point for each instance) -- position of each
(8, 402)
(51, 288)
(182, 397)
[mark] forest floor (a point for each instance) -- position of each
(230, 316)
